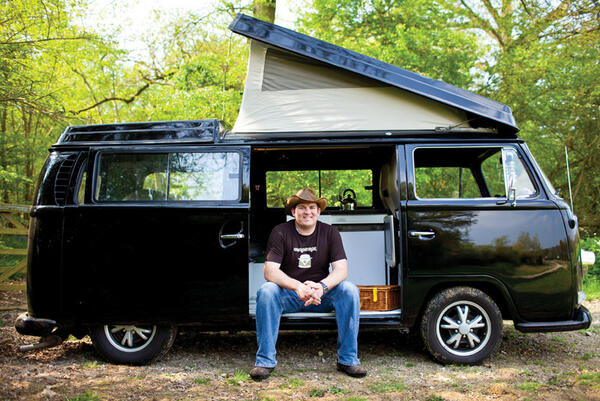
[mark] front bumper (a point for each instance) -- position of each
(582, 319)
(31, 326)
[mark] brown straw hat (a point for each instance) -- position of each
(305, 195)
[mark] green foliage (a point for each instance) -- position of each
(591, 279)
(538, 58)
(593, 244)
(412, 34)
(317, 393)
(202, 380)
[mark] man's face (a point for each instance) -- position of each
(306, 214)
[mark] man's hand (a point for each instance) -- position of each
(305, 293)
(315, 298)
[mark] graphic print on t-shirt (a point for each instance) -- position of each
(305, 260)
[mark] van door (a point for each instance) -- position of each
(161, 235)
(477, 215)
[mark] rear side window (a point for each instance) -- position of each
(177, 176)
(329, 184)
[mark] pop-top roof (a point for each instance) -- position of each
(494, 114)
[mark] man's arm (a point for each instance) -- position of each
(339, 273)
(274, 274)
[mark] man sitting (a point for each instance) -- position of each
(298, 280)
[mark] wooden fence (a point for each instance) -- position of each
(14, 220)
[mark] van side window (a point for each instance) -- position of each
(81, 190)
(201, 176)
(470, 172)
(446, 182)
(329, 184)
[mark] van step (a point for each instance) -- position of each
(367, 314)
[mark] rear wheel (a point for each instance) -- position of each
(461, 325)
(132, 344)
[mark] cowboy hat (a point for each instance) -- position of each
(305, 195)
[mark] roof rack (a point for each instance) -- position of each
(144, 132)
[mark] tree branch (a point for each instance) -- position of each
(115, 98)
(484, 24)
(123, 99)
(30, 42)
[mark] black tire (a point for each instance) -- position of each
(461, 325)
(131, 344)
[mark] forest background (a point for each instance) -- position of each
(540, 57)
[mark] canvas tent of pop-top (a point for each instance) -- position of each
(296, 83)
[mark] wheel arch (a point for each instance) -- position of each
(491, 286)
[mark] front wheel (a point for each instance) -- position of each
(461, 325)
(132, 344)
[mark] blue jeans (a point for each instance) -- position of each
(272, 301)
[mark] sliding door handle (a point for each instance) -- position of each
(233, 236)
(421, 234)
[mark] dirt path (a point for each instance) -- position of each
(212, 366)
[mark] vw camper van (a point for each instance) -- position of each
(139, 228)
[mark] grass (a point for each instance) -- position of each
(434, 397)
(92, 364)
(202, 380)
(526, 372)
(292, 383)
(1, 322)
(337, 390)
(466, 368)
(409, 365)
(587, 356)
(591, 287)
(354, 398)
(319, 392)
(238, 376)
(88, 396)
(388, 386)
(589, 378)
(316, 392)
(529, 386)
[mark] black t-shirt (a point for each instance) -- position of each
(305, 257)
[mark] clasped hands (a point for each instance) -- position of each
(310, 292)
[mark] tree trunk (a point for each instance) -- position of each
(265, 10)
(3, 151)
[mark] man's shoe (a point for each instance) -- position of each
(354, 371)
(259, 373)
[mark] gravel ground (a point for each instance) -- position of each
(213, 366)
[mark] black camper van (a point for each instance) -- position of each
(139, 228)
